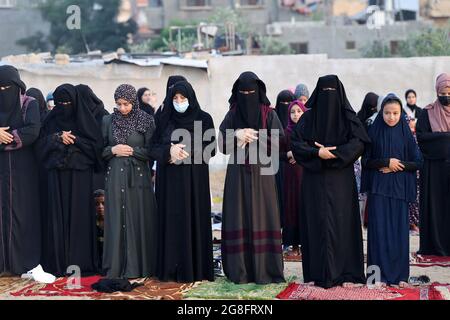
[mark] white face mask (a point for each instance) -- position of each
(181, 107)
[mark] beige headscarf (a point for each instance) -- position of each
(440, 115)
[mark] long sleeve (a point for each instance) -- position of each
(434, 145)
(209, 143)
(411, 166)
(304, 154)
(347, 153)
(85, 146)
(107, 150)
(29, 132)
(50, 144)
(144, 153)
(376, 163)
(275, 125)
(227, 139)
(160, 146)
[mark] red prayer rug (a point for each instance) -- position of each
(61, 288)
(11, 288)
(424, 261)
(308, 292)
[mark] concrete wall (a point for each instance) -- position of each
(213, 88)
(257, 17)
(331, 40)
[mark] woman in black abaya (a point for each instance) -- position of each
(20, 219)
(327, 141)
(70, 147)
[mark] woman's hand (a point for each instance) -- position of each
(246, 136)
(395, 165)
(177, 153)
(68, 138)
(122, 150)
(5, 136)
(290, 157)
(325, 152)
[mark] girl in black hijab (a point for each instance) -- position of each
(97, 108)
(251, 231)
(20, 216)
(327, 141)
(368, 108)
(182, 188)
(70, 148)
(411, 108)
(144, 106)
(39, 97)
(284, 99)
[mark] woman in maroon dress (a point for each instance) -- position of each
(292, 181)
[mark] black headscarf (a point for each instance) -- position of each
(142, 105)
(284, 99)
(92, 102)
(248, 107)
(331, 119)
(136, 120)
(10, 99)
(413, 107)
(162, 116)
(39, 97)
(184, 120)
(75, 117)
(369, 107)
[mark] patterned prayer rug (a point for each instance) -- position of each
(308, 292)
(423, 261)
(16, 288)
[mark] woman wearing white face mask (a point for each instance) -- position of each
(182, 189)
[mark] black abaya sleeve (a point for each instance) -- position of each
(210, 143)
(86, 147)
(159, 147)
(29, 132)
(107, 150)
(347, 153)
(49, 146)
(227, 139)
(304, 154)
(144, 153)
(275, 125)
(434, 145)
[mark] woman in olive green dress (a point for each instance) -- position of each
(130, 205)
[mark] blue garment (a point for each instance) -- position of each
(388, 238)
(389, 195)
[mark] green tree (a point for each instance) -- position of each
(99, 27)
(431, 42)
(376, 49)
(427, 43)
(221, 17)
(35, 43)
(271, 46)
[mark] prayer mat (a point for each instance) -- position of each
(308, 292)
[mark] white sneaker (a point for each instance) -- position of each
(39, 275)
